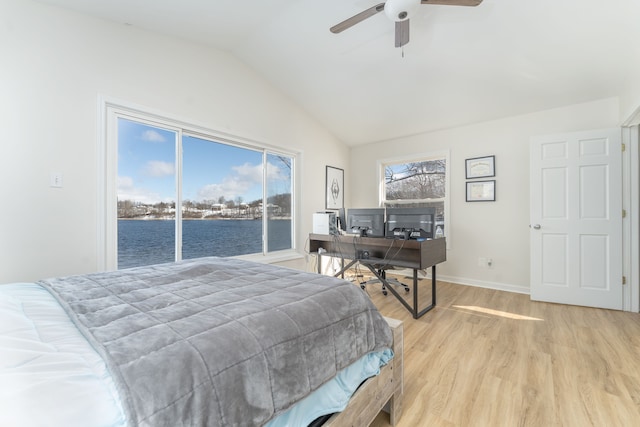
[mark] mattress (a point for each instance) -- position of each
(51, 375)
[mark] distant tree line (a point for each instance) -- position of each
(278, 206)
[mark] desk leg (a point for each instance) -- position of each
(342, 269)
(415, 312)
(433, 285)
(345, 268)
(412, 309)
(415, 293)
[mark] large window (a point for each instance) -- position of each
(182, 193)
(420, 181)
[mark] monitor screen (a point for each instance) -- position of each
(410, 223)
(366, 222)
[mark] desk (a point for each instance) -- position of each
(377, 252)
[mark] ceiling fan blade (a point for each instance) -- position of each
(350, 22)
(453, 2)
(402, 32)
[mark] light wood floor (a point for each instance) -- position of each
(493, 358)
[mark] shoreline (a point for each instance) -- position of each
(203, 219)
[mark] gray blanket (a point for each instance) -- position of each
(219, 341)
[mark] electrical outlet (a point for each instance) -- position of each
(55, 179)
(485, 262)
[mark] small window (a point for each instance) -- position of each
(417, 182)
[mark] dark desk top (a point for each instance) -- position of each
(393, 252)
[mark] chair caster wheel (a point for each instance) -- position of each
(363, 286)
(406, 289)
(384, 293)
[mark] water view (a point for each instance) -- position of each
(146, 242)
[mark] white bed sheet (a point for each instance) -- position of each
(51, 376)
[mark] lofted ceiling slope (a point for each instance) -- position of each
(462, 65)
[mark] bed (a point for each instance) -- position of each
(213, 341)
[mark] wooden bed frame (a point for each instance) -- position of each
(374, 395)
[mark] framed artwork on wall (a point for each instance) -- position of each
(481, 191)
(480, 167)
(334, 188)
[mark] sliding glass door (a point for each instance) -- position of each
(184, 195)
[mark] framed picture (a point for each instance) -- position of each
(481, 167)
(481, 191)
(334, 188)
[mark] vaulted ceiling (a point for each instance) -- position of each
(462, 65)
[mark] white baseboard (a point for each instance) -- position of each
(470, 282)
(483, 284)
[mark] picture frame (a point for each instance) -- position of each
(480, 167)
(481, 191)
(334, 188)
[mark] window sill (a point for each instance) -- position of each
(273, 257)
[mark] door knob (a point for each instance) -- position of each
(535, 226)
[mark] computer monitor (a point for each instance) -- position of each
(368, 222)
(410, 223)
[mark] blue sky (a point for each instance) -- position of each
(146, 167)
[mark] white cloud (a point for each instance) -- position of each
(158, 169)
(276, 173)
(125, 182)
(153, 136)
(128, 191)
(249, 173)
(243, 179)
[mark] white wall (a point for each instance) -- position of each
(55, 64)
(630, 97)
(497, 230)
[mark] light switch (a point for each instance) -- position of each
(56, 180)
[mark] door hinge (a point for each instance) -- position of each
(624, 280)
(624, 147)
(624, 213)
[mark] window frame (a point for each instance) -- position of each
(421, 157)
(109, 111)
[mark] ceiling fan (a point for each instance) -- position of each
(398, 11)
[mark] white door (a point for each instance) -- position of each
(576, 218)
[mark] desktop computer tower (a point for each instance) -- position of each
(325, 223)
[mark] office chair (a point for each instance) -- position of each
(382, 271)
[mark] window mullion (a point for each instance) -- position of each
(265, 207)
(178, 224)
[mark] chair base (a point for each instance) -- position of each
(383, 274)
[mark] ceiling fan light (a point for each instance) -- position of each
(400, 10)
